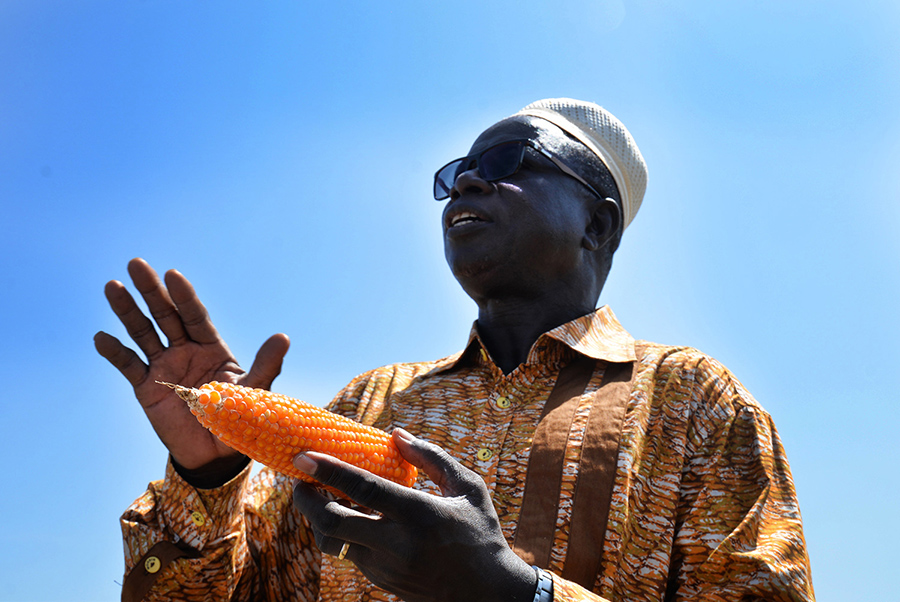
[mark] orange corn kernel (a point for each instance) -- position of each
(272, 428)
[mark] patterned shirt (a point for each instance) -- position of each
(703, 504)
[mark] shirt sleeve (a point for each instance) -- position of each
(736, 529)
(241, 541)
(739, 533)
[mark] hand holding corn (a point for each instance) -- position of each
(421, 546)
(273, 428)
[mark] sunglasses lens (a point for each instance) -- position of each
(493, 164)
(445, 178)
(500, 161)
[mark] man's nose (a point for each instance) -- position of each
(470, 182)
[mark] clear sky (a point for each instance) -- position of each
(280, 154)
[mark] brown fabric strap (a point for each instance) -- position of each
(537, 519)
(142, 577)
(596, 475)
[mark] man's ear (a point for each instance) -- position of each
(606, 220)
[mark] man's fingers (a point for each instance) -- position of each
(120, 356)
(361, 486)
(160, 304)
(193, 313)
(453, 478)
(267, 364)
(333, 523)
(139, 326)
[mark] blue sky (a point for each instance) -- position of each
(280, 154)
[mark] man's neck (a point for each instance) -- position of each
(509, 329)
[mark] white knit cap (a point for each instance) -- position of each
(606, 137)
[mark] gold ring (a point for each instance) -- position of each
(344, 550)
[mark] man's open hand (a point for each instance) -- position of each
(195, 355)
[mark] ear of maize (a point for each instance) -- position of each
(273, 428)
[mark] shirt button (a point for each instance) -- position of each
(503, 402)
(484, 454)
(198, 518)
(152, 564)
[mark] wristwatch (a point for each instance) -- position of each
(544, 590)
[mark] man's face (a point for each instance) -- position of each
(520, 235)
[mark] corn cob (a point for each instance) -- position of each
(273, 428)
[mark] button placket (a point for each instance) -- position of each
(493, 431)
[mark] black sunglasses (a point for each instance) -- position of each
(495, 163)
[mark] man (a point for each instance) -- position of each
(561, 459)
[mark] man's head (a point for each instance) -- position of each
(540, 203)
(603, 137)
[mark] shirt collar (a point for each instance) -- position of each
(598, 335)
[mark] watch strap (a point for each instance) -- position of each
(544, 590)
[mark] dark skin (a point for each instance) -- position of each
(530, 258)
(420, 546)
(195, 355)
(532, 261)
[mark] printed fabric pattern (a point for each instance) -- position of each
(703, 505)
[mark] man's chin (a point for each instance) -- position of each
(484, 280)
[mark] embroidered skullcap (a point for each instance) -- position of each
(606, 137)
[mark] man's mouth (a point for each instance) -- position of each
(466, 217)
